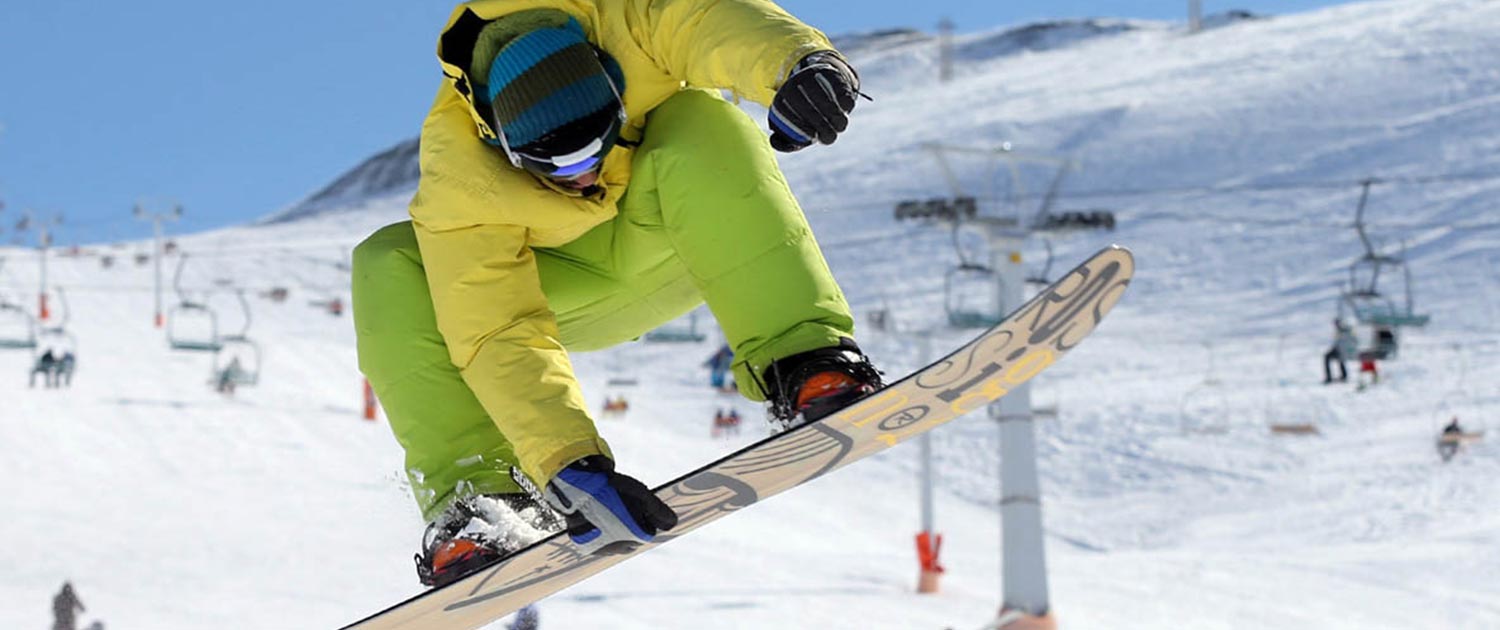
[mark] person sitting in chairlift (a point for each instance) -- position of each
(1385, 342)
(230, 376)
(1367, 365)
(1344, 346)
(64, 369)
(1453, 427)
(46, 365)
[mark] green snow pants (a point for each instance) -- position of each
(707, 217)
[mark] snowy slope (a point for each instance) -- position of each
(169, 506)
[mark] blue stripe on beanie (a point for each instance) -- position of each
(559, 108)
(523, 52)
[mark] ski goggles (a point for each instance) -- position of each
(573, 163)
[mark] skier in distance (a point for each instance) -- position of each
(583, 182)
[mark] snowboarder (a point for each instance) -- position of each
(1450, 440)
(1344, 346)
(65, 608)
(718, 368)
(583, 182)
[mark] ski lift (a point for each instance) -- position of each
(879, 319)
(1046, 220)
(972, 296)
(619, 365)
(18, 328)
(238, 358)
(191, 326)
(1205, 406)
(1046, 401)
(953, 209)
(1043, 276)
(57, 338)
(1362, 300)
(676, 332)
(1283, 418)
(1077, 220)
(55, 357)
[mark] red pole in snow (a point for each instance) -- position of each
(370, 402)
(928, 547)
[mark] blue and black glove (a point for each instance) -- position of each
(607, 512)
(814, 103)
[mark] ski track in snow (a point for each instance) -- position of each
(169, 506)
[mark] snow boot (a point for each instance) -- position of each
(478, 531)
(808, 386)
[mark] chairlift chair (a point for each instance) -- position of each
(1380, 338)
(1205, 406)
(1046, 402)
(191, 342)
(186, 311)
(677, 333)
(247, 350)
(57, 339)
(971, 296)
(239, 346)
(1042, 277)
(1362, 298)
(621, 365)
(1076, 220)
(19, 332)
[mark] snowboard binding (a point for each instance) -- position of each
(810, 385)
(474, 532)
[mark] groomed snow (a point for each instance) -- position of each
(169, 506)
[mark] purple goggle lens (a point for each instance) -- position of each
(575, 169)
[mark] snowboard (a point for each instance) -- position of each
(1026, 342)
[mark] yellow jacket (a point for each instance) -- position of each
(477, 217)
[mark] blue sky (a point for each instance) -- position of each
(239, 109)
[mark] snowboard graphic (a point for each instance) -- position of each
(1018, 348)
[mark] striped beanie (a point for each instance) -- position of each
(549, 83)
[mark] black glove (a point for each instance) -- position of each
(607, 512)
(814, 103)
